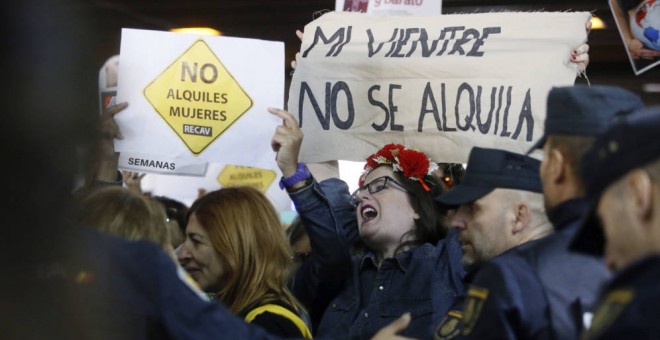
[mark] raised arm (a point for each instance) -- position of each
(104, 159)
(327, 215)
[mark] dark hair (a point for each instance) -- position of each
(573, 148)
(430, 226)
(295, 231)
(454, 172)
(175, 210)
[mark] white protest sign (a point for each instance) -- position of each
(442, 84)
(185, 188)
(199, 98)
(390, 7)
(161, 165)
(137, 162)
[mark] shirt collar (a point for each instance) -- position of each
(567, 211)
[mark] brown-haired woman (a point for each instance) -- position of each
(236, 248)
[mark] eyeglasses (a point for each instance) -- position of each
(377, 185)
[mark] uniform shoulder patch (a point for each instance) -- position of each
(474, 303)
(608, 310)
(449, 326)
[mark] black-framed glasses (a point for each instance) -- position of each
(376, 185)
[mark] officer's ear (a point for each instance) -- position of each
(522, 217)
(556, 168)
(640, 188)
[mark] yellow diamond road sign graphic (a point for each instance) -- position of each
(197, 97)
(234, 175)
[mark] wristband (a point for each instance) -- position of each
(301, 174)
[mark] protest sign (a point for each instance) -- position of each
(186, 188)
(139, 162)
(260, 179)
(639, 26)
(442, 84)
(201, 99)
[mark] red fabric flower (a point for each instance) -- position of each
(413, 163)
(387, 152)
(390, 151)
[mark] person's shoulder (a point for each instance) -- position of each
(278, 318)
(643, 273)
(505, 270)
(628, 306)
(102, 245)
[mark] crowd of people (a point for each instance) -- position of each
(511, 247)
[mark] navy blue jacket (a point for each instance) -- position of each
(629, 305)
(424, 280)
(131, 290)
(538, 290)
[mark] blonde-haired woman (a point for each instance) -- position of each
(117, 211)
(236, 248)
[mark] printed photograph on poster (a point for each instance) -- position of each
(355, 5)
(639, 25)
(390, 7)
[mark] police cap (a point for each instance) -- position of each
(630, 143)
(585, 110)
(489, 169)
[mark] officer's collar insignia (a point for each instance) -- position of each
(609, 309)
(476, 297)
(449, 327)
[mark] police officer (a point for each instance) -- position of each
(560, 286)
(622, 179)
(570, 281)
(500, 207)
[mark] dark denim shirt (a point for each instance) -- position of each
(423, 280)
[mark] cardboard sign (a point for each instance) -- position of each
(198, 98)
(442, 84)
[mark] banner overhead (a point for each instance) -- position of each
(442, 83)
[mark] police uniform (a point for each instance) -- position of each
(540, 289)
(560, 286)
(487, 170)
(628, 306)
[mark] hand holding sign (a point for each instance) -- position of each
(445, 83)
(106, 159)
(133, 181)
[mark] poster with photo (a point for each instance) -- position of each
(639, 26)
(390, 7)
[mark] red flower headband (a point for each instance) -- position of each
(413, 164)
